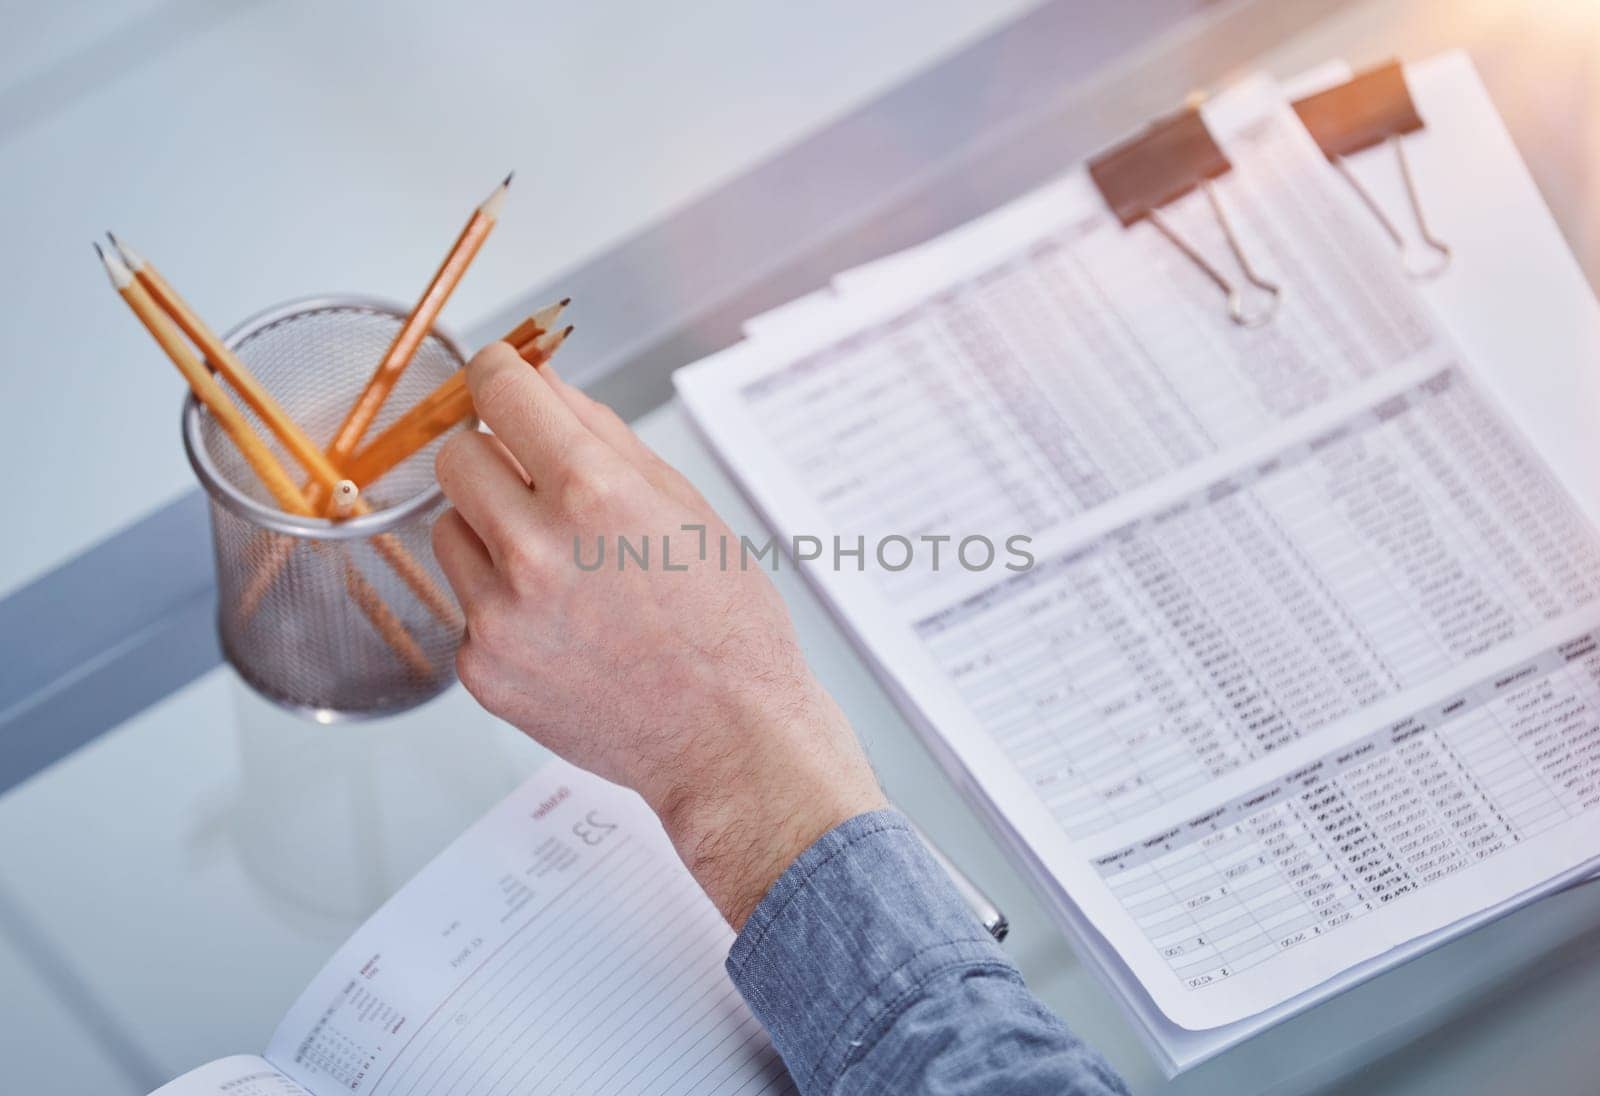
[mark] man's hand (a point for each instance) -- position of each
(686, 685)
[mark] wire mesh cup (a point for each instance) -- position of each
(335, 620)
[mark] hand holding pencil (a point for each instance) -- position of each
(218, 377)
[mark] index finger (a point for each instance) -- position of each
(527, 415)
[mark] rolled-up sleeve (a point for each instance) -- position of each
(871, 975)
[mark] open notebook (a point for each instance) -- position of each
(557, 946)
(1305, 675)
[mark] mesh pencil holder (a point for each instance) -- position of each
(335, 620)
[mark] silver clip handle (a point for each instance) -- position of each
(1436, 259)
(1235, 297)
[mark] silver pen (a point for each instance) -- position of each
(987, 913)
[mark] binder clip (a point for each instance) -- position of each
(1173, 156)
(1375, 108)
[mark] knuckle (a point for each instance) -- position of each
(590, 487)
(474, 671)
(452, 463)
(495, 356)
(446, 460)
(489, 628)
(525, 564)
(495, 390)
(610, 417)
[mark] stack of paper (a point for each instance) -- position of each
(1285, 664)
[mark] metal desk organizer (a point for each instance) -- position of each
(311, 612)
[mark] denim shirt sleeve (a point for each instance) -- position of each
(871, 975)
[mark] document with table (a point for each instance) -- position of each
(558, 946)
(1305, 673)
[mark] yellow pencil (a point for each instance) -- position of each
(417, 325)
(327, 482)
(285, 492)
(441, 410)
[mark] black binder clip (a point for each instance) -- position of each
(1173, 156)
(1375, 108)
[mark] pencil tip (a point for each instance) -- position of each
(565, 301)
(547, 343)
(116, 269)
(132, 258)
(490, 206)
(509, 176)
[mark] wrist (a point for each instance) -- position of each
(737, 849)
(739, 826)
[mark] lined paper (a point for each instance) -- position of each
(558, 946)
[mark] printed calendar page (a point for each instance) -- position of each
(238, 1075)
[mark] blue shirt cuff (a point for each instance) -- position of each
(846, 939)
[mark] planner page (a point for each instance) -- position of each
(558, 946)
(237, 1075)
(1301, 664)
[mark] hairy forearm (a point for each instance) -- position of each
(739, 827)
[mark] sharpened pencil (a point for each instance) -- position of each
(367, 405)
(327, 482)
(537, 324)
(299, 444)
(444, 408)
(285, 492)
